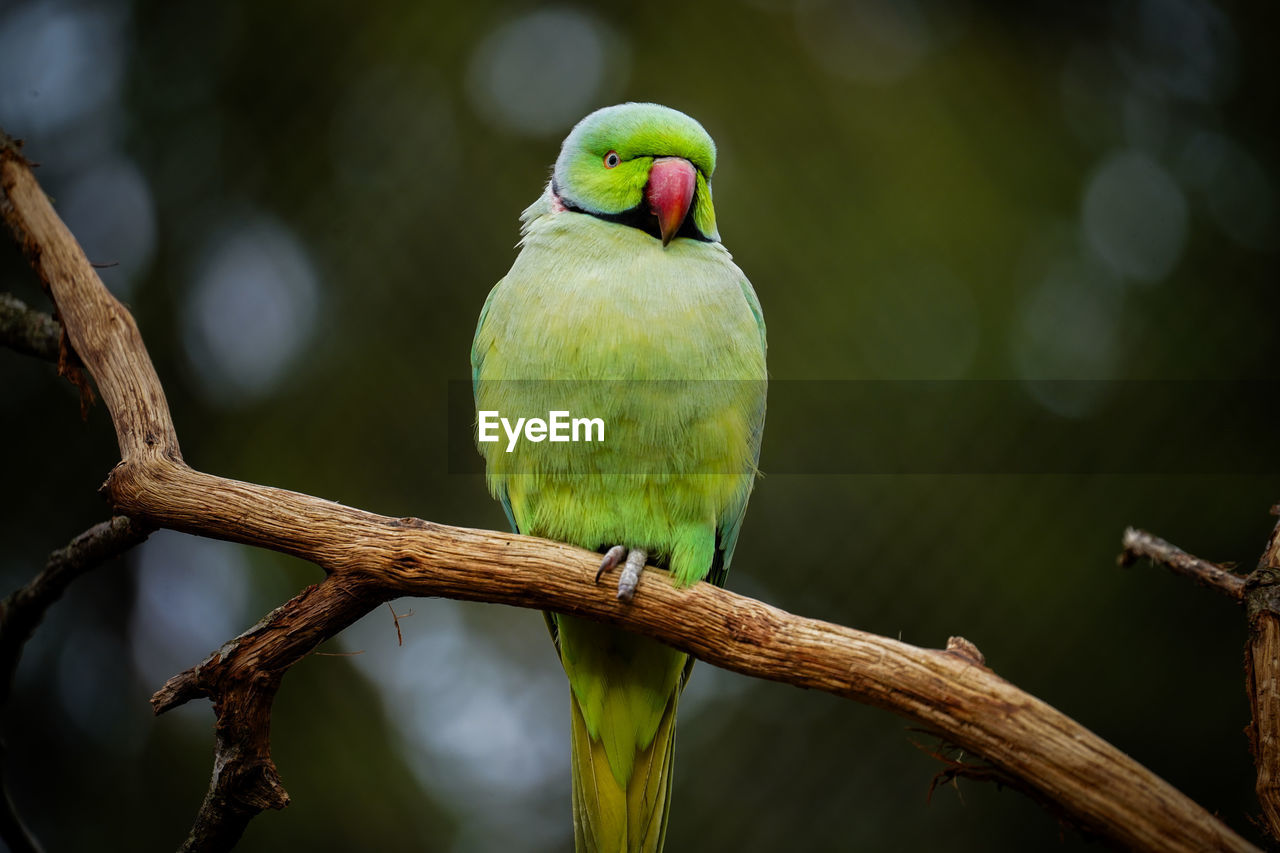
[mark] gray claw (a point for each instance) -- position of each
(631, 573)
(611, 559)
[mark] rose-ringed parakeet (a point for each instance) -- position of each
(623, 305)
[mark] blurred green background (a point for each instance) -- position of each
(306, 204)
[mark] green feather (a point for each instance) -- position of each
(667, 346)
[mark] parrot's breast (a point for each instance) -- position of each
(663, 346)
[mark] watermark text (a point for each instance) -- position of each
(558, 426)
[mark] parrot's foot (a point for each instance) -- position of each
(630, 577)
(631, 573)
(611, 559)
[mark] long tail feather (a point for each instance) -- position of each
(624, 694)
(607, 818)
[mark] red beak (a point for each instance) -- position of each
(670, 192)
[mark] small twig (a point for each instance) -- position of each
(954, 770)
(1139, 544)
(20, 614)
(396, 617)
(28, 331)
(396, 620)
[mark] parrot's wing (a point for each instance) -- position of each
(727, 539)
(477, 357)
(754, 304)
(477, 362)
(729, 523)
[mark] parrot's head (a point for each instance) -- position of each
(642, 165)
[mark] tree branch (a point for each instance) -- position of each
(1262, 666)
(28, 331)
(1260, 593)
(372, 558)
(1139, 544)
(100, 330)
(23, 609)
(21, 612)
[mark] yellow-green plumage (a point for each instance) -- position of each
(666, 345)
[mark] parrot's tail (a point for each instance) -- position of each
(605, 816)
(623, 731)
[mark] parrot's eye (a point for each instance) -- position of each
(611, 160)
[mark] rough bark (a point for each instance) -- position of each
(1262, 665)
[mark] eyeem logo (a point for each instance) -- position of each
(559, 426)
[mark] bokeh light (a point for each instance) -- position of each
(542, 71)
(1186, 48)
(192, 595)
(60, 62)
(1236, 188)
(1070, 328)
(1135, 217)
(251, 310)
(110, 211)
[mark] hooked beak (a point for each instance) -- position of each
(670, 192)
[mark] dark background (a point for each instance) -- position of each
(307, 204)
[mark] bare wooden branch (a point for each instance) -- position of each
(1139, 544)
(101, 331)
(242, 678)
(372, 558)
(1262, 666)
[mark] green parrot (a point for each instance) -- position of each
(623, 306)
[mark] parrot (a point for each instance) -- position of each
(623, 305)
